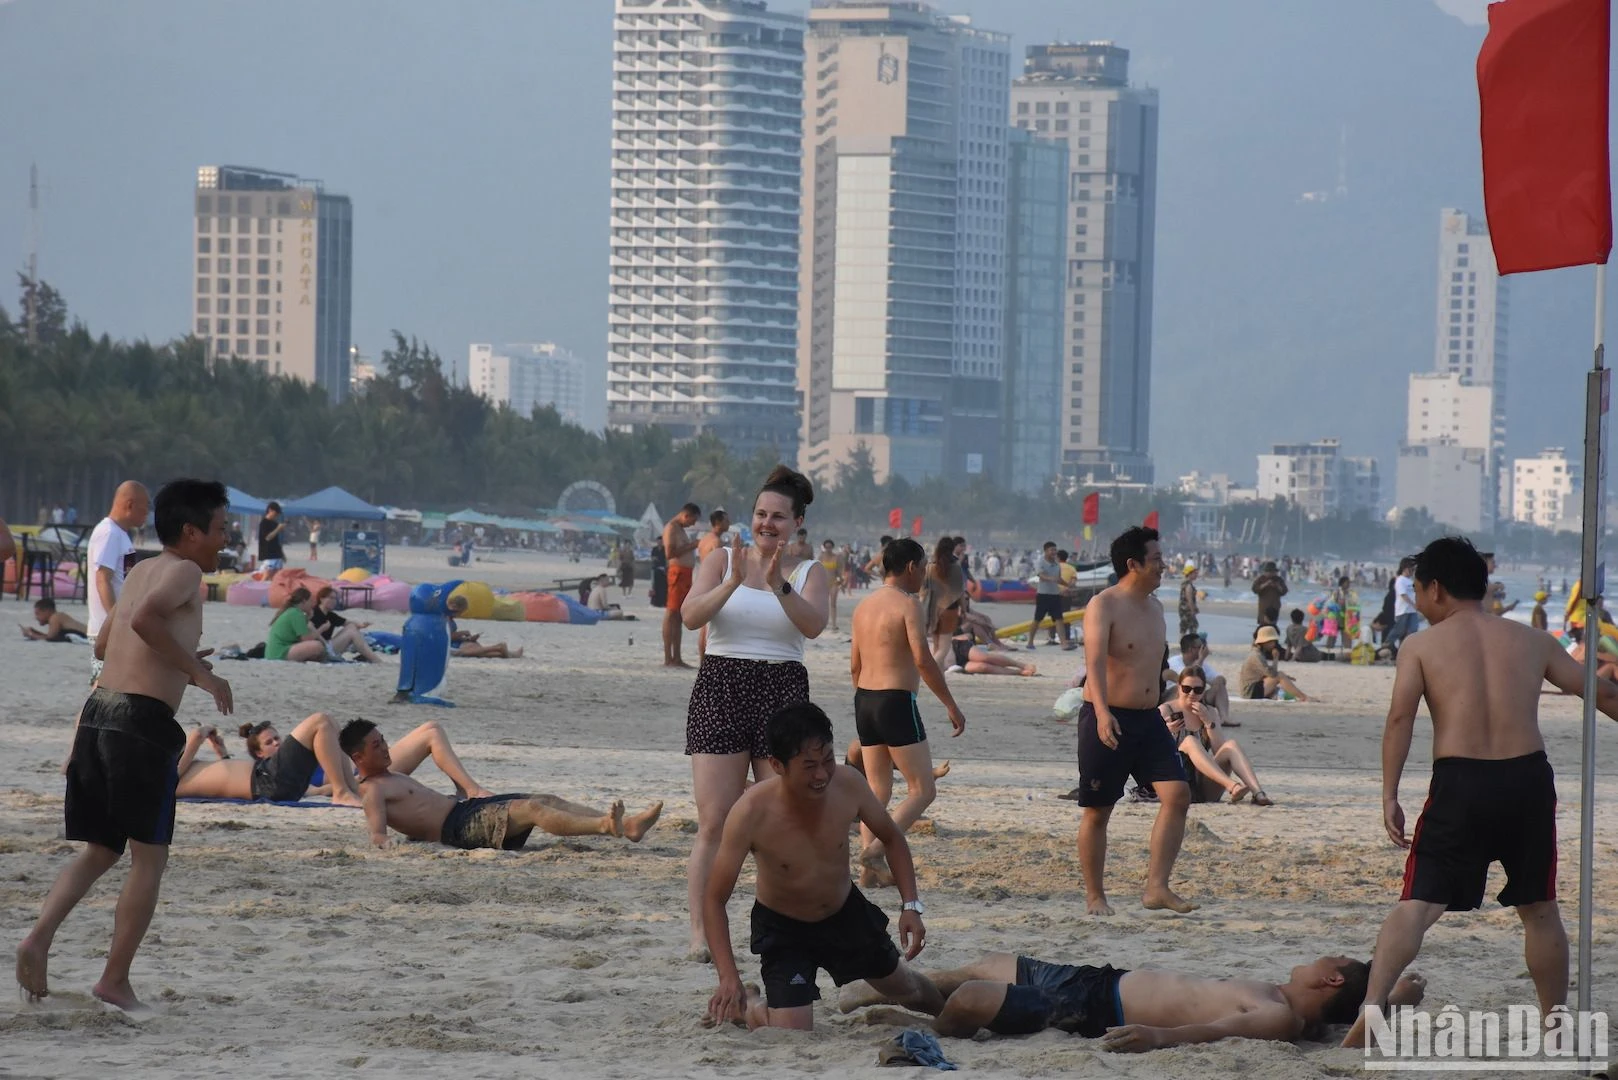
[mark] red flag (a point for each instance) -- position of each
(896, 518)
(1151, 520)
(915, 526)
(1092, 508)
(1542, 90)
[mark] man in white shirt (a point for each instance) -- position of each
(1404, 603)
(1194, 653)
(110, 547)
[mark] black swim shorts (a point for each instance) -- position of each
(1145, 751)
(483, 823)
(1078, 999)
(852, 944)
(122, 775)
(887, 718)
(284, 776)
(1479, 812)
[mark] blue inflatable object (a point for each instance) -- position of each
(424, 653)
(577, 613)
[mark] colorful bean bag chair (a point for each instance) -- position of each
(290, 578)
(249, 592)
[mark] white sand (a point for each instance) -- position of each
(285, 945)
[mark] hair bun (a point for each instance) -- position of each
(245, 730)
(790, 482)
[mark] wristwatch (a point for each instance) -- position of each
(913, 905)
(786, 588)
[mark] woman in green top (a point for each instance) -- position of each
(291, 637)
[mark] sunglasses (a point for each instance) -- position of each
(1197, 689)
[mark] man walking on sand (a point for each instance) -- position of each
(108, 555)
(1493, 794)
(1121, 733)
(122, 775)
(681, 552)
(889, 658)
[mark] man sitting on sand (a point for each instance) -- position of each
(598, 599)
(465, 644)
(808, 914)
(502, 822)
(58, 627)
(1141, 1010)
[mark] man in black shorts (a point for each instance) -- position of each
(124, 768)
(889, 659)
(1121, 733)
(1493, 794)
(1142, 1009)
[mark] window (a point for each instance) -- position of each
(224, 245)
(224, 224)
(1042, 125)
(1084, 125)
(1042, 107)
(241, 326)
(204, 224)
(202, 327)
(203, 243)
(204, 203)
(262, 328)
(263, 307)
(1084, 141)
(1084, 106)
(241, 306)
(1078, 350)
(244, 225)
(1022, 110)
(202, 266)
(241, 347)
(264, 286)
(1084, 159)
(222, 306)
(264, 266)
(261, 347)
(1061, 125)
(224, 285)
(221, 347)
(244, 203)
(1061, 106)
(263, 246)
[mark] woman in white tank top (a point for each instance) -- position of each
(759, 604)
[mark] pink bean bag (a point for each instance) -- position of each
(291, 578)
(390, 595)
(249, 593)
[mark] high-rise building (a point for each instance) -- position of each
(1545, 488)
(274, 256)
(1470, 331)
(1448, 429)
(902, 272)
(707, 120)
(1445, 408)
(529, 376)
(1031, 412)
(1079, 94)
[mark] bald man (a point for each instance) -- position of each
(110, 548)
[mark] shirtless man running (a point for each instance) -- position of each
(502, 822)
(1143, 1009)
(808, 914)
(1121, 732)
(121, 775)
(889, 658)
(712, 541)
(1493, 794)
(681, 552)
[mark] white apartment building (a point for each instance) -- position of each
(1443, 407)
(1451, 482)
(1469, 341)
(707, 119)
(1545, 489)
(526, 377)
(1318, 478)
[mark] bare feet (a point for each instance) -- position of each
(1030, 669)
(515, 654)
(1097, 905)
(857, 995)
(31, 961)
(676, 663)
(119, 995)
(1238, 791)
(639, 825)
(874, 871)
(699, 954)
(941, 770)
(613, 823)
(1166, 900)
(340, 797)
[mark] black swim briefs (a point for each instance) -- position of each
(284, 776)
(851, 944)
(483, 823)
(122, 775)
(1479, 812)
(1078, 999)
(1145, 751)
(887, 718)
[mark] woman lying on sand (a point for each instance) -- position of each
(281, 770)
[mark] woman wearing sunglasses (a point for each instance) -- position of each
(1203, 750)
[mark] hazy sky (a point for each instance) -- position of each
(474, 141)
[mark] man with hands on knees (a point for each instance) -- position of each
(808, 914)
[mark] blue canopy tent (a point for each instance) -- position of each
(243, 503)
(333, 502)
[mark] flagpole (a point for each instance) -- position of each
(1592, 577)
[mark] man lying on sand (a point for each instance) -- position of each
(1139, 1010)
(58, 627)
(502, 822)
(283, 770)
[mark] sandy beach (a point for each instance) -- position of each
(285, 945)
